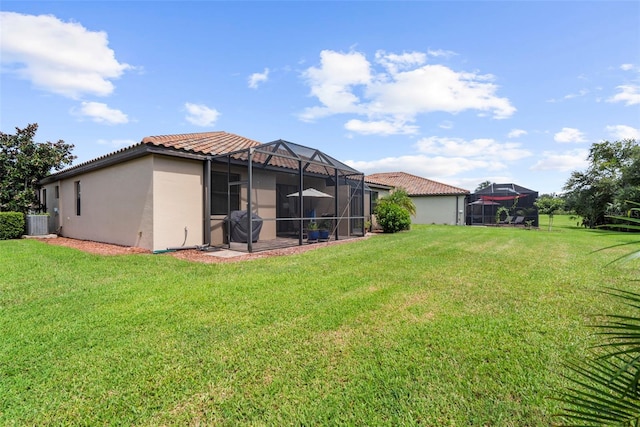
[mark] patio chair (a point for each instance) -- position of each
(507, 220)
(518, 221)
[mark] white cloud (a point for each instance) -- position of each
(580, 93)
(332, 83)
(516, 133)
(101, 113)
(569, 135)
(436, 88)
(57, 56)
(629, 94)
(200, 114)
(394, 62)
(447, 124)
(380, 127)
(441, 53)
(481, 148)
(256, 78)
(624, 132)
(117, 143)
(627, 67)
(562, 161)
(444, 158)
(423, 165)
(402, 89)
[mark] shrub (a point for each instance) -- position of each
(392, 218)
(400, 197)
(11, 225)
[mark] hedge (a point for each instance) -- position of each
(11, 225)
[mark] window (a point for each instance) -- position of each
(220, 190)
(374, 200)
(43, 202)
(57, 192)
(77, 189)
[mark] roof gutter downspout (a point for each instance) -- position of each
(206, 200)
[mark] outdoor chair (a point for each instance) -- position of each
(518, 221)
(507, 220)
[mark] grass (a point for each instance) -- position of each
(441, 325)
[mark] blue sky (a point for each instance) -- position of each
(458, 92)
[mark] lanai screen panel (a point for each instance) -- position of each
(483, 205)
(291, 190)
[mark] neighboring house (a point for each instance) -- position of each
(436, 203)
(518, 201)
(179, 190)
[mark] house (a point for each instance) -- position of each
(517, 201)
(178, 191)
(436, 203)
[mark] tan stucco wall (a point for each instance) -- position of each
(263, 200)
(217, 230)
(116, 205)
(177, 202)
(438, 210)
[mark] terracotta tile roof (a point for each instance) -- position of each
(204, 143)
(210, 143)
(207, 143)
(415, 185)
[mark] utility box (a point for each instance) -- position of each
(37, 225)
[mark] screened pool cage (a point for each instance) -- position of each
(484, 205)
(283, 194)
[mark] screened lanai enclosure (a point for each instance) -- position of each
(502, 204)
(283, 194)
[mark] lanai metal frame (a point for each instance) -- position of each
(305, 163)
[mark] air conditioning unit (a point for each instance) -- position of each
(37, 225)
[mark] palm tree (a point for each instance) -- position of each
(606, 387)
(400, 197)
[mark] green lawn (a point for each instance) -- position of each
(439, 326)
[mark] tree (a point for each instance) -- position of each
(483, 185)
(23, 163)
(549, 205)
(611, 179)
